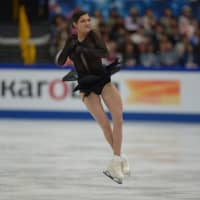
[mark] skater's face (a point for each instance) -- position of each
(83, 24)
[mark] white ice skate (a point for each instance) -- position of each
(114, 170)
(125, 165)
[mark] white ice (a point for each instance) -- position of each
(64, 160)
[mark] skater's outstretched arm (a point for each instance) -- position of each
(62, 55)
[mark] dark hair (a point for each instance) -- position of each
(77, 14)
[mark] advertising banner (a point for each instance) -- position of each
(142, 91)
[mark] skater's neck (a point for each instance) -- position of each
(81, 36)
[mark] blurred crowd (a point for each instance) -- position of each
(141, 40)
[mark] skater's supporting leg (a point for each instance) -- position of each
(113, 101)
(94, 106)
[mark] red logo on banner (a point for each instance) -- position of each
(63, 88)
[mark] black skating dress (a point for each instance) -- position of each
(86, 56)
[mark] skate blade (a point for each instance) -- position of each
(117, 180)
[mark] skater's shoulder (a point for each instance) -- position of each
(94, 33)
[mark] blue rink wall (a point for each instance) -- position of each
(37, 92)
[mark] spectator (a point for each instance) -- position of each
(103, 28)
(130, 57)
(166, 18)
(185, 20)
(147, 56)
(148, 20)
(59, 34)
(171, 26)
(158, 32)
(121, 37)
(197, 51)
(132, 22)
(180, 49)
(139, 36)
(167, 56)
(173, 33)
(189, 60)
(96, 19)
(193, 30)
(112, 17)
(117, 28)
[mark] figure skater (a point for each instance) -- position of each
(86, 49)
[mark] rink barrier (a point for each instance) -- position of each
(19, 66)
(182, 104)
(58, 115)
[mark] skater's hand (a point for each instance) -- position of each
(117, 61)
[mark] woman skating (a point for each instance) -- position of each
(86, 50)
